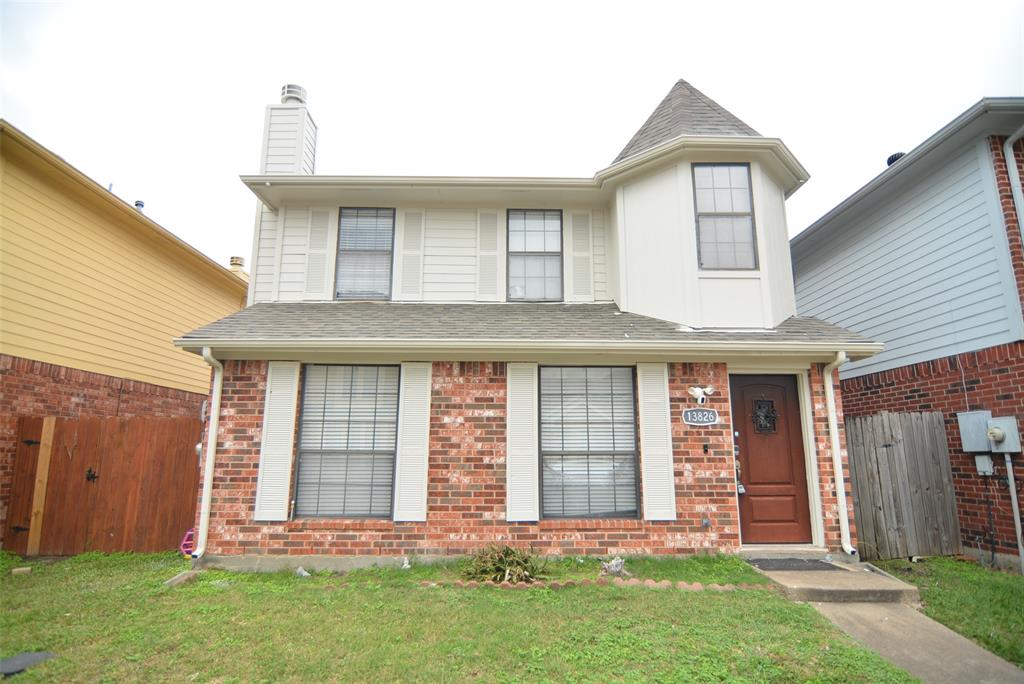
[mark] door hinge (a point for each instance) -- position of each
(30, 442)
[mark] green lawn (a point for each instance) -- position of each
(984, 605)
(110, 618)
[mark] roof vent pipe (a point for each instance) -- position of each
(237, 262)
(293, 94)
(893, 158)
(139, 204)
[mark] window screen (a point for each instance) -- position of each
(365, 239)
(347, 441)
(588, 442)
(725, 219)
(534, 255)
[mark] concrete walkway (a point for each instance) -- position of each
(924, 648)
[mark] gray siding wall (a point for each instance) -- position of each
(925, 270)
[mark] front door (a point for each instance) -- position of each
(766, 419)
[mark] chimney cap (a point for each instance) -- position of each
(139, 204)
(237, 261)
(292, 93)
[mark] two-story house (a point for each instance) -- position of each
(431, 364)
(927, 259)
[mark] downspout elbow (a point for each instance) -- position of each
(205, 501)
(838, 475)
(1011, 170)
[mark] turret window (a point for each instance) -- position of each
(725, 217)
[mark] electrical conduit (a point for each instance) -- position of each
(211, 452)
(838, 476)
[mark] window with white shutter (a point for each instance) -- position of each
(535, 255)
(347, 441)
(588, 442)
(365, 245)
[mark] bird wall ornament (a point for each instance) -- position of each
(701, 393)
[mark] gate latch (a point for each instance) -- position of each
(91, 475)
(30, 442)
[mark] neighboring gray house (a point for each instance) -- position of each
(926, 258)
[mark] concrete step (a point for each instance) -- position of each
(850, 584)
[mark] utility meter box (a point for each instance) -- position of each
(974, 430)
(1003, 435)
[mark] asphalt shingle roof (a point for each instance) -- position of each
(684, 111)
(497, 321)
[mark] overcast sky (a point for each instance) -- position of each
(165, 100)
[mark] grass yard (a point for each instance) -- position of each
(984, 605)
(110, 618)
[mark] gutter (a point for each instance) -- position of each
(211, 453)
(838, 476)
(758, 348)
(1011, 169)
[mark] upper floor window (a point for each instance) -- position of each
(725, 217)
(535, 255)
(347, 439)
(365, 243)
(588, 451)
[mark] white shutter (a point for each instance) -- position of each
(521, 478)
(279, 411)
(316, 254)
(657, 476)
(413, 443)
(410, 257)
(582, 259)
(487, 241)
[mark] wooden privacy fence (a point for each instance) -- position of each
(102, 484)
(902, 486)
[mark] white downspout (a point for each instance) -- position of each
(1011, 169)
(838, 477)
(211, 452)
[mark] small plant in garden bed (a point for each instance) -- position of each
(502, 564)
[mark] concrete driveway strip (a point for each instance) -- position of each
(918, 644)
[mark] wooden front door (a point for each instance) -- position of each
(774, 507)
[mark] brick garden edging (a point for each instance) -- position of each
(603, 581)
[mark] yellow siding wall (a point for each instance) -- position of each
(85, 287)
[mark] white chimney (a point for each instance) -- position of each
(289, 135)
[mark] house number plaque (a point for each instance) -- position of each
(700, 416)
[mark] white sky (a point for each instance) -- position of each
(165, 100)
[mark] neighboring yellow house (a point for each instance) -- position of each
(92, 292)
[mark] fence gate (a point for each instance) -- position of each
(102, 484)
(902, 486)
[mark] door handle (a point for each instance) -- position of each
(91, 475)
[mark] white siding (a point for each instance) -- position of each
(289, 140)
(293, 254)
(925, 271)
(449, 255)
(601, 293)
(263, 286)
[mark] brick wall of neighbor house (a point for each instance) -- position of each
(991, 379)
(466, 480)
(33, 388)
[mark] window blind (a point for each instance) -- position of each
(588, 442)
(347, 440)
(365, 243)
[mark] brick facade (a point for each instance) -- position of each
(34, 388)
(466, 479)
(991, 379)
